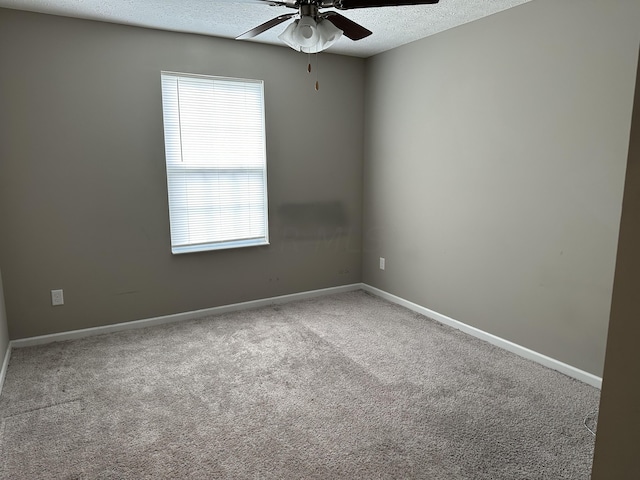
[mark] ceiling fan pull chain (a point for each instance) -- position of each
(317, 68)
(309, 62)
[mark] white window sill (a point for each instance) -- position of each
(205, 247)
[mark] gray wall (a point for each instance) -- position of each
(494, 167)
(4, 332)
(616, 452)
(83, 184)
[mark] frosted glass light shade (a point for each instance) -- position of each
(328, 34)
(287, 35)
(306, 32)
(301, 33)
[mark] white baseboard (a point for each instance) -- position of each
(549, 362)
(178, 317)
(5, 365)
(148, 322)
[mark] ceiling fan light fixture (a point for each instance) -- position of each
(308, 36)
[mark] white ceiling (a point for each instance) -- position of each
(391, 26)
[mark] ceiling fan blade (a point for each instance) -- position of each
(349, 28)
(273, 3)
(266, 26)
(350, 4)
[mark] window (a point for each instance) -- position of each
(216, 162)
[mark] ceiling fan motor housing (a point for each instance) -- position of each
(309, 10)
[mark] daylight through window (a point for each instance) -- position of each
(216, 162)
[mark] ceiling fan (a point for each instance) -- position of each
(313, 30)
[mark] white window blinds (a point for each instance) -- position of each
(216, 162)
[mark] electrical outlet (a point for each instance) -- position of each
(382, 262)
(57, 298)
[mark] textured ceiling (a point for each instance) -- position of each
(391, 26)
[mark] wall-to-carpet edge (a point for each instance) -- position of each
(549, 362)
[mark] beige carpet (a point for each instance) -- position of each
(345, 386)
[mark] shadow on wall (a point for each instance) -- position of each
(323, 224)
(313, 220)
